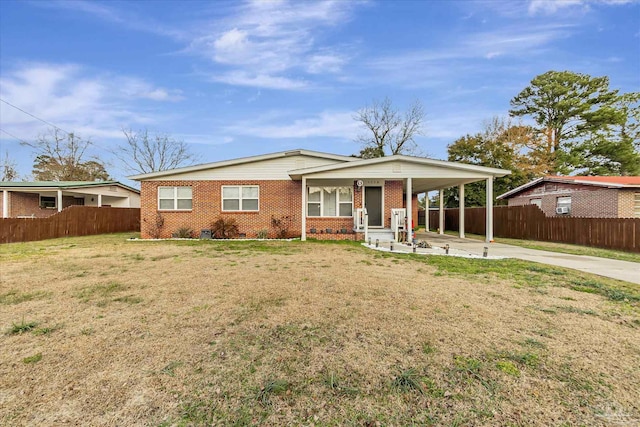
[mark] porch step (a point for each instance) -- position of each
(382, 234)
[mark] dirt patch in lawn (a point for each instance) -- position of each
(101, 331)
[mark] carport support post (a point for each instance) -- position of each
(99, 200)
(5, 204)
(461, 210)
(489, 213)
(441, 210)
(303, 234)
(426, 214)
(59, 200)
(409, 210)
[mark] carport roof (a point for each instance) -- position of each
(61, 184)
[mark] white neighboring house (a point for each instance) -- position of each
(44, 198)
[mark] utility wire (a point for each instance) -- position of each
(35, 117)
(20, 140)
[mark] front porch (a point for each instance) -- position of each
(380, 195)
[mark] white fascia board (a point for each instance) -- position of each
(520, 188)
(297, 173)
(239, 161)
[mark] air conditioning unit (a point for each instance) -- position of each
(563, 210)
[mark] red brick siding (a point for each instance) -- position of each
(393, 198)
(626, 206)
(28, 204)
(277, 199)
(586, 200)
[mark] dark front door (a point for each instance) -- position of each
(373, 203)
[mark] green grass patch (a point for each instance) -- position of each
(22, 327)
(508, 367)
(17, 297)
(408, 380)
(271, 388)
(100, 290)
(33, 359)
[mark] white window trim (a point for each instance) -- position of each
(175, 198)
(55, 202)
(338, 202)
(240, 199)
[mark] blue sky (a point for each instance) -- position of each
(235, 79)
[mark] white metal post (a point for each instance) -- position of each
(489, 214)
(461, 210)
(99, 200)
(5, 204)
(59, 200)
(409, 210)
(441, 219)
(303, 234)
(426, 214)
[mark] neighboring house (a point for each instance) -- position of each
(42, 199)
(313, 194)
(581, 196)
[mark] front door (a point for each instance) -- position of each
(373, 204)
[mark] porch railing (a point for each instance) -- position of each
(361, 221)
(398, 221)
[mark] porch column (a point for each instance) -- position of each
(441, 219)
(59, 200)
(303, 235)
(99, 200)
(426, 214)
(489, 214)
(409, 209)
(5, 203)
(461, 210)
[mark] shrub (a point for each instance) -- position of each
(224, 228)
(184, 233)
(262, 234)
(281, 226)
(155, 226)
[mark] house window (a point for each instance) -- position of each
(175, 198)
(47, 202)
(563, 205)
(330, 201)
(636, 205)
(240, 198)
(537, 202)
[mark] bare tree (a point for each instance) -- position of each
(389, 131)
(62, 156)
(144, 153)
(8, 169)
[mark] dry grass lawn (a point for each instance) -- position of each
(101, 331)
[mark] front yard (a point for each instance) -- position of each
(101, 331)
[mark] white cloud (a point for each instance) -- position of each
(552, 6)
(265, 43)
(333, 124)
(76, 100)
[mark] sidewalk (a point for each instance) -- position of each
(615, 269)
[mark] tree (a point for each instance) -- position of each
(8, 171)
(144, 153)
(616, 151)
(62, 157)
(388, 131)
(568, 108)
(502, 145)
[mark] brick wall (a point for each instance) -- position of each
(626, 203)
(277, 199)
(586, 200)
(28, 204)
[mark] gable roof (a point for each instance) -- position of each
(401, 158)
(600, 181)
(62, 185)
(243, 160)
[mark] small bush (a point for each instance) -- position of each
(281, 225)
(224, 228)
(184, 233)
(262, 234)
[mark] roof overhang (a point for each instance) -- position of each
(65, 186)
(242, 160)
(561, 180)
(426, 174)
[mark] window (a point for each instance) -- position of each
(537, 202)
(47, 202)
(175, 198)
(563, 202)
(240, 198)
(330, 201)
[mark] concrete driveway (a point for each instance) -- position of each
(615, 269)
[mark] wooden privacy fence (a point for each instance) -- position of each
(72, 221)
(530, 223)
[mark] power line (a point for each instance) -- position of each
(20, 140)
(35, 117)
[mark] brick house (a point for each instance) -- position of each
(42, 199)
(581, 196)
(316, 195)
